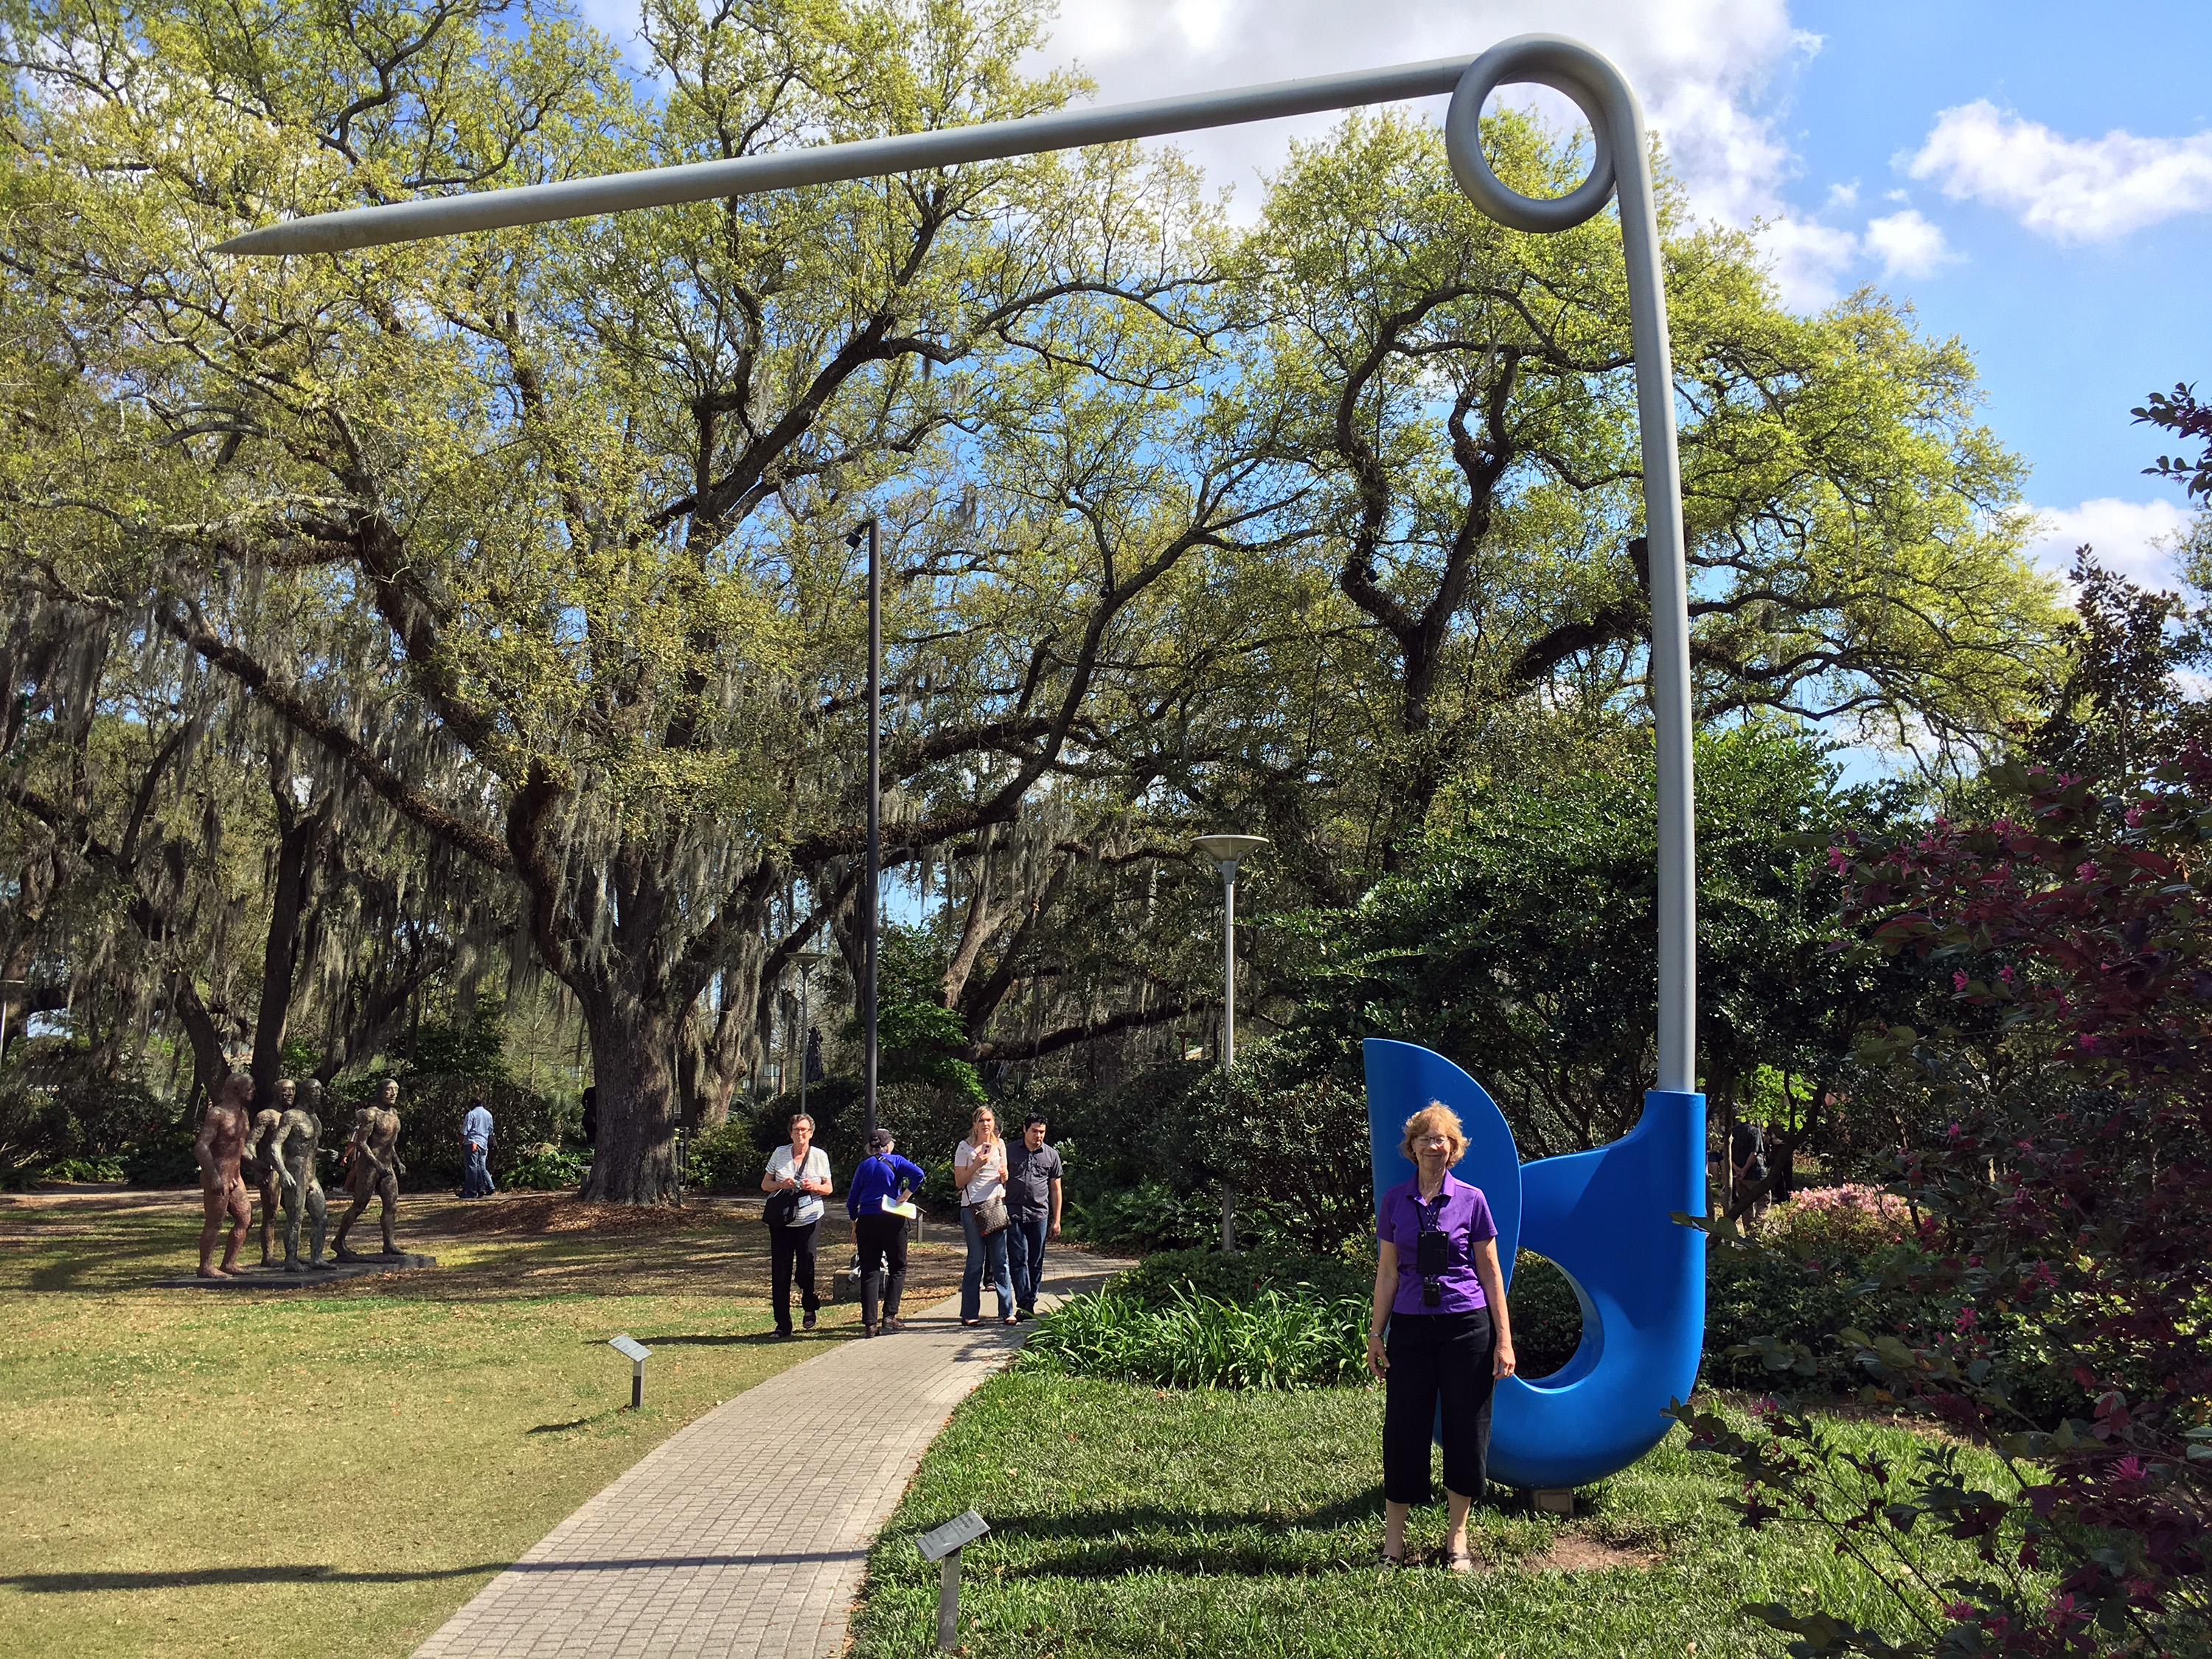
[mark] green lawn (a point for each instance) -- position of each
(200, 1473)
(1126, 1520)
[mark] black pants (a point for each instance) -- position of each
(787, 1246)
(881, 1236)
(1437, 1358)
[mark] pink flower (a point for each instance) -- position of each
(2005, 972)
(1838, 860)
(1966, 1321)
(1958, 983)
(1958, 1611)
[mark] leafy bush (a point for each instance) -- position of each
(1241, 1279)
(723, 1159)
(1547, 1315)
(83, 1169)
(547, 1169)
(2071, 1195)
(1145, 1218)
(60, 1104)
(1837, 1221)
(1195, 1342)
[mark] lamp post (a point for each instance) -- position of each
(808, 960)
(869, 895)
(1227, 852)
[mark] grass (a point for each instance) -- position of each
(1127, 1519)
(197, 1472)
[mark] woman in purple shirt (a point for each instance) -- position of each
(1438, 1291)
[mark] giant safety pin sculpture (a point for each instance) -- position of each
(1602, 1215)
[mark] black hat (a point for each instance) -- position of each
(881, 1141)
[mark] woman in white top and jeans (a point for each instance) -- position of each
(979, 1169)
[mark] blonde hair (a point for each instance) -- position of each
(1435, 1118)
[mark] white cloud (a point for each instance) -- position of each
(1807, 258)
(2071, 189)
(1907, 244)
(1842, 197)
(2135, 538)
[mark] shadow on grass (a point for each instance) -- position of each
(79, 1583)
(1254, 1543)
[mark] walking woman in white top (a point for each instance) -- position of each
(979, 1169)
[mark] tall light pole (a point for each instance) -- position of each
(1227, 852)
(875, 821)
(808, 960)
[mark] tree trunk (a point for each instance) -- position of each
(290, 906)
(634, 1159)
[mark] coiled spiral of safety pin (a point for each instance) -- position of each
(1597, 87)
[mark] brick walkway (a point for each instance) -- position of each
(698, 1553)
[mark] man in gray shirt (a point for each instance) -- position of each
(1033, 1207)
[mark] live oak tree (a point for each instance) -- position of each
(1460, 399)
(591, 483)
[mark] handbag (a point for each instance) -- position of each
(991, 1215)
(781, 1209)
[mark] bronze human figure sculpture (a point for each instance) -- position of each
(259, 1164)
(292, 1149)
(373, 1168)
(222, 1142)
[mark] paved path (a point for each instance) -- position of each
(698, 1553)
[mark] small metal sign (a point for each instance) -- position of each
(940, 1541)
(630, 1349)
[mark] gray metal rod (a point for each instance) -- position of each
(1623, 167)
(867, 158)
(1617, 120)
(1228, 1028)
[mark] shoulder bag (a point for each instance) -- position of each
(782, 1207)
(991, 1215)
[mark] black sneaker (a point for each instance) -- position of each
(1025, 1313)
(809, 1321)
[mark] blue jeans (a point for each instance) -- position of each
(983, 1251)
(1025, 1250)
(477, 1182)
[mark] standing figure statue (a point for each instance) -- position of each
(292, 1148)
(221, 1145)
(259, 1165)
(373, 1168)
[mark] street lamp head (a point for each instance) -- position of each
(859, 532)
(1228, 849)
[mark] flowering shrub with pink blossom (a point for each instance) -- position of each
(1846, 1221)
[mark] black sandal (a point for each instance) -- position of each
(1387, 1559)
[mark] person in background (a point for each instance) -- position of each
(884, 1178)
(1033, 1172)
(1438, 1291)
(1782, 1159)
(979, 1169)
(476, 1148)
(801, 1167)
(1747, 1167)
